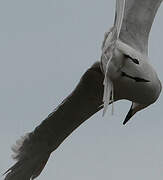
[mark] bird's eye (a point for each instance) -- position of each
(133, 60)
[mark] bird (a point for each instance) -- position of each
(123, 72)
(125, 62)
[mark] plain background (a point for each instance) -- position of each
(45, 47)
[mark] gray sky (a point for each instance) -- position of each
(45, 47)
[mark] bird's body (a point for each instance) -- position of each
(126, 72)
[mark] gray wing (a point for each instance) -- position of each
(137, 22)
(34, 150)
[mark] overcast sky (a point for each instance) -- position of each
(45, 47)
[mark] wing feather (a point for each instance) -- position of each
(33, 150)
